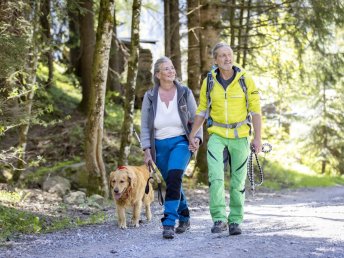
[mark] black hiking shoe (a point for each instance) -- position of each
(183, 226)
(219, 226)
(234, 229)
(168, 232)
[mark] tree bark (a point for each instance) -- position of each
(87, 42)
(210, 35)
(172, 35)
(194, 53)
(175, 37)
(240, 33)
(28, 80)
(232, 23)
(94, 128)
(247, 31)
(167, 27)
(115, 70)
(74, 37)
(127, 126)
(47, 40)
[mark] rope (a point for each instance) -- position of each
(266, 148)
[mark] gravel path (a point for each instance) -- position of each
(302, 223)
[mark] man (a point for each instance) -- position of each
(229, 125)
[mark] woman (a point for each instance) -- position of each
(168, 111)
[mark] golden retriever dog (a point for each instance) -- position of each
(128, 184)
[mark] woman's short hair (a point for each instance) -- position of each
(217, 46)
(157, 64)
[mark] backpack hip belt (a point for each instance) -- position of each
(232, 126)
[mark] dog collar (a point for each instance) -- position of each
(121, 167)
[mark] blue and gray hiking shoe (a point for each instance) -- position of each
(219, 226)
(234, 229)
(183, 226)
(168, 232)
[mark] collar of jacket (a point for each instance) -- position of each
(153, 94)
(239, 72)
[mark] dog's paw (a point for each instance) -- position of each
(122, 226)
(134, 224)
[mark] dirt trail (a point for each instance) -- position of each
(302, 223)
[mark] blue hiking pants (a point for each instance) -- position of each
(172, 158)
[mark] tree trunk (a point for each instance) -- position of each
(74, 37)
(28, 80)
(240, 32)
(47, 40)
(167, 27)
(94, 128)
(127, 127)
(210, 35)
(324, 130)
(172, 35)
(113, 81)
(232, 23)
(175, 37)
(87, 41)
(247, 31)
(194, 52)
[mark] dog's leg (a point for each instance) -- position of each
(147, 200)
(148, 212)
(122, 223)
(136, 214)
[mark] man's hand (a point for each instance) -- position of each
(257, 144)
(193, 143)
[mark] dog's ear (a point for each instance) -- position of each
(132, 178)
(112, 174)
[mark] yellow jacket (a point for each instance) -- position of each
(229, 106)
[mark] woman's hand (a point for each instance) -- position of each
(148, 157)
(193, 144)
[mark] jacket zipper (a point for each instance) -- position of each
(226, 112)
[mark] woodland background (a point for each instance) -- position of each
(71, 87)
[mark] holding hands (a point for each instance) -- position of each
(193, 143)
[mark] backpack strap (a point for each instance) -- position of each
(210, 84)
(248, 117)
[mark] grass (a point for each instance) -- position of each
(14, 222)
(36, 177)
(277, 177)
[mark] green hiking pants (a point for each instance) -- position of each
(239, 151)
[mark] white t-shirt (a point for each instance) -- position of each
(167, 121)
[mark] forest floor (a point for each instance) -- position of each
(289, 223)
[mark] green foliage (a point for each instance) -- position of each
(64, 95)
(278, 177)
(36, 178)
(13, 222)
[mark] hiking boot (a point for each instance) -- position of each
(183, 226)
(168, 232)
(219, 226)
(234, 229)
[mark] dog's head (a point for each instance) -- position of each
(121, 180)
